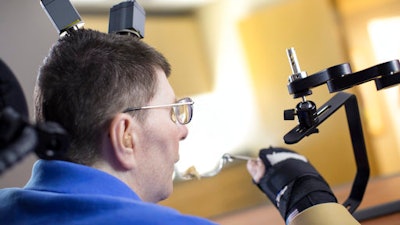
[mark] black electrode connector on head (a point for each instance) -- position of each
(63, 15)
(127, 18)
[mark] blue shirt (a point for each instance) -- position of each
(67, 193)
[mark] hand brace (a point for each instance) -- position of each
(291, 182)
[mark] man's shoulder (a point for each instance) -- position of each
(23, 205)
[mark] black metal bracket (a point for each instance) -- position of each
(349, 101)
(338, 78)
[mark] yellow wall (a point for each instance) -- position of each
(232, 190)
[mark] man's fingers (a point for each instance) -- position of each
(256, 169)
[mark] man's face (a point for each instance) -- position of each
(159, 144)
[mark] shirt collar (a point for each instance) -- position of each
(67, 177)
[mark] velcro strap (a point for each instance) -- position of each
(287, 171)
(306, 186)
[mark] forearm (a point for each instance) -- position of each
(326, 213)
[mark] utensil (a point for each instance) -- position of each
(191, 173)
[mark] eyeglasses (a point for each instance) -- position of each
(181, 110)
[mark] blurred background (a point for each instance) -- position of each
(230, 57)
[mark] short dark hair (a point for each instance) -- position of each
(90, 76)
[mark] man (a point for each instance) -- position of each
(112, 96)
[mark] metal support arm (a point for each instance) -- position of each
(357, 139)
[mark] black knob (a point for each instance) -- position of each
(289, 114)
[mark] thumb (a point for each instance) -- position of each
(256, 169)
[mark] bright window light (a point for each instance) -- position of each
(224, 119)
(385, 38)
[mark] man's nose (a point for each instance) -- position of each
(184, 132)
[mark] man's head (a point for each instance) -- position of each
(86, 83)
(90, 76)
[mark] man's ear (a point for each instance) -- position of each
(122, 140)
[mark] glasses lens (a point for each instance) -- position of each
(183, 113)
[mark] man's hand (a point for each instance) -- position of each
(289, 181)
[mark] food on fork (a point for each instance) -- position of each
(191, 173)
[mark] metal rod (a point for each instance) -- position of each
(237, 157)
(217, 169)
(294, 63)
